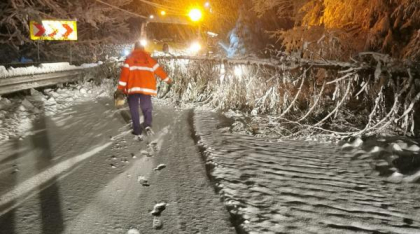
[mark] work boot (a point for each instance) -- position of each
(149, 131)
(139, 138)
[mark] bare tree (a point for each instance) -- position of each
(98, 23)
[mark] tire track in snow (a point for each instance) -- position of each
(302, 187)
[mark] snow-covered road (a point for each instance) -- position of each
(74, 167)
(80, 171)
(274, 186)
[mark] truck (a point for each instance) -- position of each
(173, 36)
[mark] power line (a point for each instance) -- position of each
(157, 5)
(118, 8)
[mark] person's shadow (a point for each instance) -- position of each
(7, 221)
(51, 213)
(49, 192)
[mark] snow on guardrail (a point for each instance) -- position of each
(42, 68)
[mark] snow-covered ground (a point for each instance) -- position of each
(18, 113)
(70, 165)
(73, 167)
(394, 156)
(275, 186)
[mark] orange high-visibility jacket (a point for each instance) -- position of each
(138, 74)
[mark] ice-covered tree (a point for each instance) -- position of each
(348, 26)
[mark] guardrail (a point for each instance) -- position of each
(19, 83)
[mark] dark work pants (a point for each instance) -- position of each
(146, 108)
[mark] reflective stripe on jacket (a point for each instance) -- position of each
(138, 74)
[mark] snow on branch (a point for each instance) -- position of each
(305, 97)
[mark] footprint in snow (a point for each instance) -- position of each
(124, 160)
(15, 169)
(145, 153)
(158, 209)
(157, 223)
(160, 167)
(153, 146)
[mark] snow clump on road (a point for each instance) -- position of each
(133, 231)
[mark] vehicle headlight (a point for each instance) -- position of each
(195, 47)
(143, 42)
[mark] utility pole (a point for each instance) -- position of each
(37, 50)
(70, 53)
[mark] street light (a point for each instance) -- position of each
(143, 42)
(163, 13)
(195, 47)
(151, 16)
(195, 15)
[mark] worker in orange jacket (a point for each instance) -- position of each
(137, 80)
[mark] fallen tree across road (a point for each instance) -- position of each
(370, 95)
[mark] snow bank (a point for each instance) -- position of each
(393, 158)
(43, 68)
(18, 113)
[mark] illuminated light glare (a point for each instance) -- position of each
(126, 52)
(195, 15)
(163, 12)
(207, 4)
(151, 16)
(195, 47)
(238, 71)
(143, 42)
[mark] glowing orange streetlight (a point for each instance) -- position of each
(163, 13)
(195, 15)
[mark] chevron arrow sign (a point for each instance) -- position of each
(53, 30)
